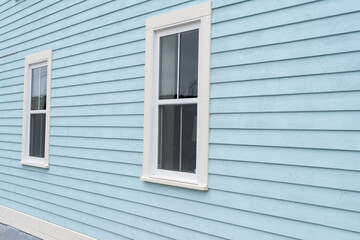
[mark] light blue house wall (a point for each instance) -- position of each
(284, 121)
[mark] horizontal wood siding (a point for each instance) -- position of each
(284, 139)
(284, 121)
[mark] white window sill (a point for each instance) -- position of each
(34, 164)
(176, 184)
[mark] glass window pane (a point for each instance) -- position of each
(188, 149)
(189, 51)
(177, 137)
(38, 88)
(168, 67)
(169, 137)
(35, 82)
(43, 76)
(37, 135)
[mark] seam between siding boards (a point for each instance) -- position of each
(294, 147)
(288, 76)
(286, 59)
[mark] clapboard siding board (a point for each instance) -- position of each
(99, 54)
(250, 8)
(105, 132)
(284, 114)
(100, 87)
(93, 77)
(338, 101)
(96, 110)
(288, 138)
(342, 62)
(321, 83)
(307, 48)
(11, 113)
(294, 32)
(223, 3)
(347, 160)
(337, 121)
(287, 16)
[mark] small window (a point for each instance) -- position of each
(36, 112)
(177, 98)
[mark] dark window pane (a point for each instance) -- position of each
(43, 76)
(168, 67)
(169, 137)
(35, 83)
(177, 137)
(38, 88)
(188, 149)
(189, 48)
(37, 135)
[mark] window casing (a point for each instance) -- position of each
(36, 109)
(177, 98)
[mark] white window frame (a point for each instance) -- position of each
(33, 61)
(196, 17)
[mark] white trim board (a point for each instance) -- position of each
(38, 227)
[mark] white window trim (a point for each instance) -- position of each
(199, 14)
(31, 61)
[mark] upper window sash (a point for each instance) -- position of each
(37, 107)
(176, 32)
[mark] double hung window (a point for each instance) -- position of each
(36, 112)
(176, 98)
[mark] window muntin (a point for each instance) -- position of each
(36, 110)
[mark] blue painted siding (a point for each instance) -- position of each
(284, 101)
(284, 114)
